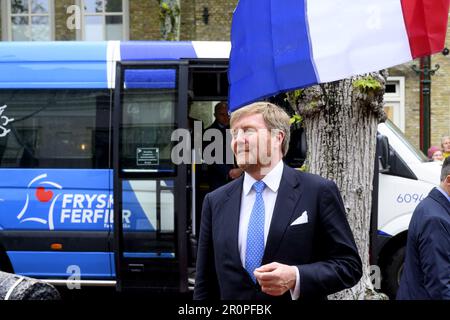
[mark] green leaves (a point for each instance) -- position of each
(293, 97)
(295, 119)
(367, 84)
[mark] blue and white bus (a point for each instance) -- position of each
(86, 140)
(88, 125)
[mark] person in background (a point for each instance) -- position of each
(222, 173)
(438, 156)
(435, 154)
(426, 275)
(445, 144)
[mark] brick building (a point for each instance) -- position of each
(97, 20)
(112, 19)
(55, 20)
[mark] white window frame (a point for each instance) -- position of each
(81, 36)
(7, 25)
(398, 97)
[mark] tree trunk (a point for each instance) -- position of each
(341, 121)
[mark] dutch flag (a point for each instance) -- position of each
(281, 45)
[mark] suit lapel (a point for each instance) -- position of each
(230, 218)
(289, 193)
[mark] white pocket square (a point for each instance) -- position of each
(301, 220)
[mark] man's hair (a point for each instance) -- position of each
(220, 105)
(274, 117)
(445, 169)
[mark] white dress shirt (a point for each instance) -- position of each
(272, 181)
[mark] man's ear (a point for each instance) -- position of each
(283, 136)
(280, 136)
(447, 180)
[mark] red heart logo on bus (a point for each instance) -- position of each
(42, 195)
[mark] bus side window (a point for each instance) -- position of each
(56, 129)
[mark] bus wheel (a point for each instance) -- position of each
(393, 272)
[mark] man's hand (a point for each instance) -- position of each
(235, 173)
(276, 278)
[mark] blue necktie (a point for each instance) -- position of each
(255, 232)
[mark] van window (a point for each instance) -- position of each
(54, 128)
(412, 149)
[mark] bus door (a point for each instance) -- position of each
(208, 85)
(150, 239)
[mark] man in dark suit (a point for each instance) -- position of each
(426, 274)
(222, 172)
(275, 232)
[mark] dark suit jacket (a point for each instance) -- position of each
(323, 249)
(426, 274)
(218, 172)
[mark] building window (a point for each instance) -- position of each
(104, 20)
(394, 101)
(29, 20)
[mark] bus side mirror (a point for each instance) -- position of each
(383, 153)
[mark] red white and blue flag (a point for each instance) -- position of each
(281, 45)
